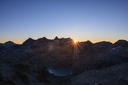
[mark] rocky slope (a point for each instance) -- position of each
(114, 75)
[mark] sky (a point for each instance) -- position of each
(82, 20)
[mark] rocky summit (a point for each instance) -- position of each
(60, 61)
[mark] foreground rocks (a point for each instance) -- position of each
(114, 75)
(22, 73)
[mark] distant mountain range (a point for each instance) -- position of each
(101, 63)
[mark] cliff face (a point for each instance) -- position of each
(85, 59)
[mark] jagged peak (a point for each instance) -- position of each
(56, 38)
(122, 42)
(9, 42)
(88, 41)
(29, 40)
(103, 42)
(44, 38)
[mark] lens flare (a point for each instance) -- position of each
(76, 48)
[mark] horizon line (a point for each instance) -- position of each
(61, 38)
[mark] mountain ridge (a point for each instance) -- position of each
(33, 57)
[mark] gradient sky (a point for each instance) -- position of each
(94, 20)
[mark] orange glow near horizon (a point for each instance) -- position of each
(75, 41)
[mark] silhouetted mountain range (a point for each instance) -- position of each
(36, 62)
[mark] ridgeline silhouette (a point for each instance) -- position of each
(101, 63)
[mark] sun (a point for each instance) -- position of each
(75, 41)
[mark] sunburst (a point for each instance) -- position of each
(75, 41)
(76, 47)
